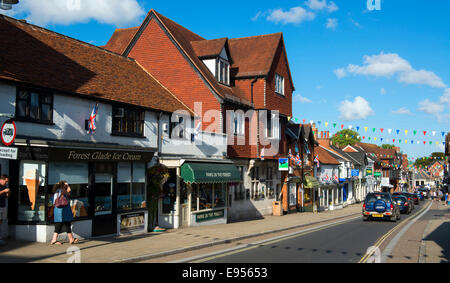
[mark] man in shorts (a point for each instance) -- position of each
(4, 194)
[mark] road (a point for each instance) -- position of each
(342, 243)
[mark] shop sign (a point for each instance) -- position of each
(355, 173)
(283, 164)
(8, 153)
(210, 215)
(88, 155)
(132, 223)
(369, 172)
(8, 132)
(377, 174)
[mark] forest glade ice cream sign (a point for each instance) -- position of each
(32, 181)
(8, 133)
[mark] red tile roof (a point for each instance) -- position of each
(325, 157)
(121, 39)
(39, 57)
(209, 48)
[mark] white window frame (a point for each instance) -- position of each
(238, 123)
(279, 84)
(227, 72)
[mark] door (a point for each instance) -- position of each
(184, 215)
(105, 215)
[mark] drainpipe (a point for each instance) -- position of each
(253, 82)
(159, 143)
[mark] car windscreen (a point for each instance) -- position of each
(374, 197)
(397, 198)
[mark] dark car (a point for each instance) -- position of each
(380, 206)
(403, 203)
(415, 198)
(420, 195)
(408, 196)
(424, 192)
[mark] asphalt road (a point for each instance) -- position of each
(343, 243)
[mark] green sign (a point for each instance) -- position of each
(369, 172)
(210, 215)
(377, 174)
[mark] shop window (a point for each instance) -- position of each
(269, 182)
(128, 122)
(31, 191)
(219, 196)
(194, 198)
(103, 193)
(205, 196)
(131, 186)
(34, 106)
(170, 193)
(76, 175)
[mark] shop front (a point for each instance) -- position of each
(311, 194)
(108, 189)
(197, 193)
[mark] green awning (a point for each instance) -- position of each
(210, 173)
(311, 182)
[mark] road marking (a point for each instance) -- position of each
(243, 248)
(380, 241)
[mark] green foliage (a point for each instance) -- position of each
(387, 146)
(345, 137)
(427, 161)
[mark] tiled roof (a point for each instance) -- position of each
(120, 40)
(325, 157)
(209, 48)
(39, 57)
(253, 56)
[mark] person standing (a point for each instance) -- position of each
(62, 213)
(4, 194)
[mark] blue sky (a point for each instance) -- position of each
(384, 68)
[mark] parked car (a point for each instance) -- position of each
(403, 203)
(408, 196)
(415, 198)
(420, 195)
(424, 192)
(380, 206)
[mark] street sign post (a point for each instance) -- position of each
(8, 132)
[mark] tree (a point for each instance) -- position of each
(346, 137)
(387, 146)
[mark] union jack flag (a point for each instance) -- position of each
(336, 178)
(92, 126)
(317, 160)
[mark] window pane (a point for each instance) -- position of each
(46, 112)
(21, 108)
(138, 196)
(23, 95)
(31, 191)
(124, 196)
(34, 105)
(205, 196)
(219, 196)
(170, 195)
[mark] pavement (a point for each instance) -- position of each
(157, 245)
(428, 240)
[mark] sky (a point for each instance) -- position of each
(353, 63)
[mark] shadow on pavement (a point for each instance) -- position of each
(441, 237)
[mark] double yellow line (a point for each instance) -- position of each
(381, 240)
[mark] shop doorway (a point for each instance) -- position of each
(105, 212)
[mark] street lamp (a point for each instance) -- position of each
(7, 4)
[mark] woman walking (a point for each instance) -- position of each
(62, 213)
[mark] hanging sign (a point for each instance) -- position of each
(9, 132)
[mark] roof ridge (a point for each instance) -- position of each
(254, 36)
(161, 15)
(54, 33)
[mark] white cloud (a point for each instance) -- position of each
(402, 111)
(318, 5)
(430, 107)
(332, 24)
(356, 110)
(301, 99)
(422, 77)
(295, 15)
(66, 12)
(445, 99)
(340, 73)
(389, 65)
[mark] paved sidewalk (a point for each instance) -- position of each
(435, 245)
(150, 245)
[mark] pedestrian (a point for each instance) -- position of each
(446, 199)
(62, 213)
(4, 194)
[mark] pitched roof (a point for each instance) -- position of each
(325, 157)
(120, 40)
(209, 48)
(253, 56)
(250, 56)
(39, 57)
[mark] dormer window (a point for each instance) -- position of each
(223, 74)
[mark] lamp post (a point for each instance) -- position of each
(7, 4)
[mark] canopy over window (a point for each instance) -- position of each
(311, 183)
(210, 173)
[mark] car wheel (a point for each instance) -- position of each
(366, 218)
(393, 219)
